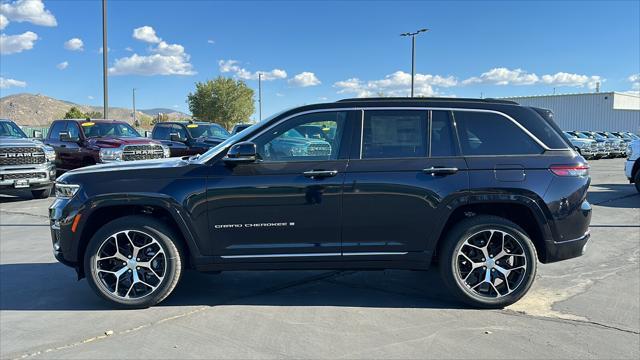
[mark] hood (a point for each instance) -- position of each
(143, 165)
(6, 141)
(211, 140)
(114, 142)
(582, 141)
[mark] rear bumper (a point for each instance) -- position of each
(557, 251)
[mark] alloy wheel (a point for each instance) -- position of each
(491, 263)
(130, 264)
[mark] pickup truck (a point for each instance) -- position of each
(186, 138)
(79, 143)
(25, 164)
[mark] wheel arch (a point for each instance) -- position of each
(519, 209)
(108, 209)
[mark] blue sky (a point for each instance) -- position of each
(318, 51)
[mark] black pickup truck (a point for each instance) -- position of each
(186, 138)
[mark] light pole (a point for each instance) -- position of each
(105, 89)
(135, 121)
(260, 96)
(413, 53)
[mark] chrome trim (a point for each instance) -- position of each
(361, 131)
(361, 108)
(375, 253)
(277, 255)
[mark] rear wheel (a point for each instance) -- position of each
(488, 261)
(133, 262)
(41, 194)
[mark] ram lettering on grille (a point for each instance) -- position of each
(142, 152)
(21, 156)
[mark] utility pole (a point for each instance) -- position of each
(260, 96)
(105, 90)
(413, 54)
(135, 122)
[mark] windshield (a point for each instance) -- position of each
(568, 135)
(207, 130)
(9, 129)
(634, 136)
(105, 129)
(583, 136)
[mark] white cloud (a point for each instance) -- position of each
(3, 22)
(635, 81)
(503, 76)
(9, 83)
(210, 41)
(573, 80)
(90, 97)
(12, 44)
(63, 65)
(231, 66)
(128, 48)
(167, 59)
(146, 34)
(31, 11)
(396, 84)
(305, 79)
(74, 44)
(279, 94)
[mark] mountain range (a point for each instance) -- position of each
(39, 110)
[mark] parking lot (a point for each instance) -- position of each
(582, 308)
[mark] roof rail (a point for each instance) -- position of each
(419, 99)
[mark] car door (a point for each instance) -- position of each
(71, 151)
(53, 140)
(400, 180)
(286, 205)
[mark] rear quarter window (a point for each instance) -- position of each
(490, 134)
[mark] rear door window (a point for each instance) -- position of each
(442, 143)
(487, 134)
(394, 134)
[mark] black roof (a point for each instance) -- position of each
(427, 99)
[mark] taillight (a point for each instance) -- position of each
(570, 170)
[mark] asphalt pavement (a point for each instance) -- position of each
(588, 307)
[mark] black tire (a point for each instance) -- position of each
(158, 231)
(636, 180)
(455, 239)
(41, 194)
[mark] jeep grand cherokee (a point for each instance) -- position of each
(487, 188)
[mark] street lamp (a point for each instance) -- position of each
(105, 51)
(413, 53)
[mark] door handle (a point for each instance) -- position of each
(441, 171)
(64, 146)
(318, 174)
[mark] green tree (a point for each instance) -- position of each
(223, 100)
(74, 113)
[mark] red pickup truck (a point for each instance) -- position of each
(79, 143)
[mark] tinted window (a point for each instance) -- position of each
(492, 134)
(394, 134)
(442, 143)
(106, 129)
(9, 129)
(207, 130)
(161, 132)
(180, 130)
(73, 129)
(289, 142)
(57, 127)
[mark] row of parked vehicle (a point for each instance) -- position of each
(601, 144)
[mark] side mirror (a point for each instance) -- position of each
(37, 134)
(64, 136)
(176, 137)
(242, 152)
(147, 133)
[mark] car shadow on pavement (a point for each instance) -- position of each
(54, 287)
(615, 195)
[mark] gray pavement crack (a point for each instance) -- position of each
(24, 213)
(573, 321)
(615, 199)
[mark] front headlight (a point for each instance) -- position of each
(66, 191)
(110, 154)
(165, 151)
(49, 153)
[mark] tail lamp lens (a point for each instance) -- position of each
(570, 170)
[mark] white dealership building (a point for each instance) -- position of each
(605, 111)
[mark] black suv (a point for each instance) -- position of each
(485, 188)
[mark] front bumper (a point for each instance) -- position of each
(64, 240)
(27, 176)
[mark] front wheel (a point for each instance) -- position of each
(488, 261)
(133, 262)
